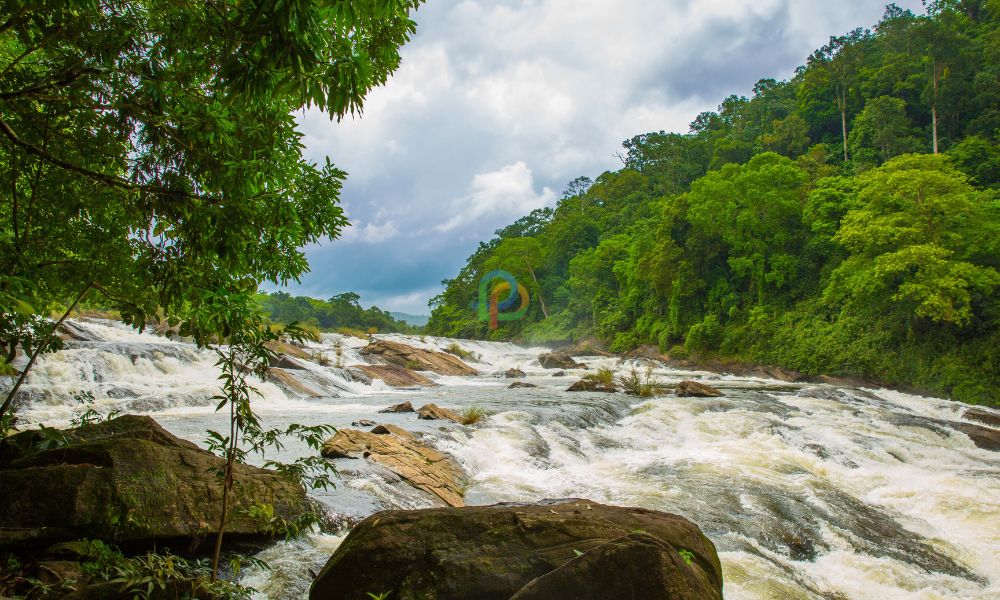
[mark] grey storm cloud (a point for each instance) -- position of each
(498, 104)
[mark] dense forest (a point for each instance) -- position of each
(845, 221)
(341, 312)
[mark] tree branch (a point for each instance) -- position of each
(109, 180)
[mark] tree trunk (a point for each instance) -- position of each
(227, 483)
(843, 122)
(934, 118)
(541, 300)
(38, 350)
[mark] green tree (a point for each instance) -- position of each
(789, 137)
(917, 239)
(149, 150)
(882, 128)
(756, 210)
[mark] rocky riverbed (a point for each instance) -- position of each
(806, 490)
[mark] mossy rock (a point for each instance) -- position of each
(492, 552)
(125, 480)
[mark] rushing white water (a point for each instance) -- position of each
(807, 491)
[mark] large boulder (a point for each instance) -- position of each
(398, 450)
(418, 359)
(494, 552)
(127, 480)
(394, 375)
(402, 407)
(555, 360)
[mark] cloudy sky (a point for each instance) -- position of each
(499, 103)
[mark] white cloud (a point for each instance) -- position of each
(368, 233)
(507, 192)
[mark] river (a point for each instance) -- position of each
(807, 491)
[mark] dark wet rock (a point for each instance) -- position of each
(398, 408)
(364, 423)
(559, 374)
(394, 375)
(633, 567)
(688, 388)
(514, 374)
(418, 359)
(359, 375)
(120, 393)
(126, 479)
(822, 392)
(521, 384)
(398, 450)
(983, 437)
(72, 332)
(982, 415)
(554, 360)
(494, 552)
(433, 411)
(592, 385)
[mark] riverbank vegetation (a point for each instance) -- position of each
(845, 221)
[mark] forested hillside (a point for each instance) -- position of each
(844, 221)
(341, 312)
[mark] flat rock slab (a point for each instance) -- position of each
(398, 450)
(412, 358)
(688, 388)
(982, 415)
(592, 385)
(394, 375)
(495, 552)
(289, 382)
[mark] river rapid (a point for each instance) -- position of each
(807, 491)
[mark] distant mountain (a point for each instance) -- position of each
(415, 320)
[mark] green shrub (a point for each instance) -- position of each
(642, 385)
(605, 376)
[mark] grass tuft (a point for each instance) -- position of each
(473, 415)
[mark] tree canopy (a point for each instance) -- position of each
(150, 151)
